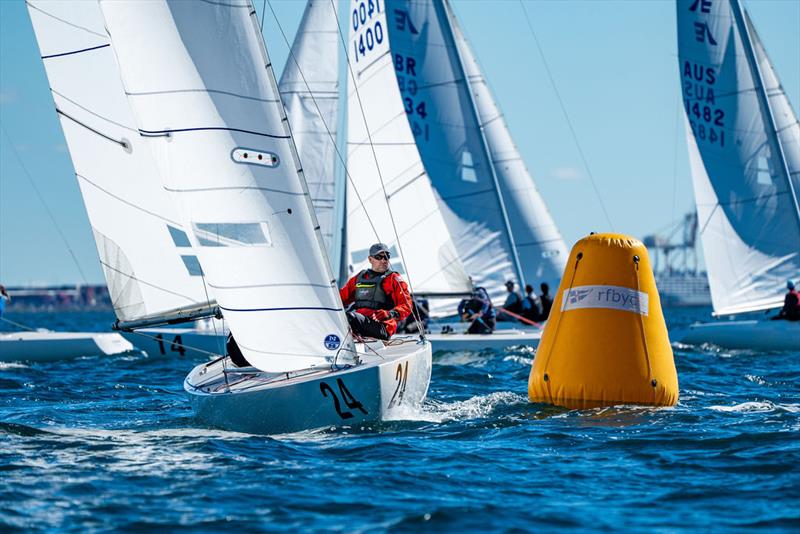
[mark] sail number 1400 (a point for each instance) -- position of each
(373, 35)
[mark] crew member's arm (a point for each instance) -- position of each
(348, 292)
(398, 289)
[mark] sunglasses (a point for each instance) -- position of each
(382, 257)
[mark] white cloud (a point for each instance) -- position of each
(566, 173)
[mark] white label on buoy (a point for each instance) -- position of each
(610, 297)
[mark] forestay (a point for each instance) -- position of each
(382, 148)
(146, 255)
(439, 109)
(204, 94)
(540, 247)
(745, 174)
(309, 87)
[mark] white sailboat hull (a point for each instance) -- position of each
(181, 342)
(388, 379)
(56, 346)
(498, 340)
(750, 335)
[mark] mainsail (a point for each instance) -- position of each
(540, 247)
(744, 151)
(309, 87)
(147, 258)
(383, 152)
(436, 102)
(204, 95)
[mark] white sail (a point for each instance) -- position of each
(540, 247)
(381, 147)
(309, 87)
(147, 258)
(437, 101)
(744, 173)
(203, 92)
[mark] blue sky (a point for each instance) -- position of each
(614, 63)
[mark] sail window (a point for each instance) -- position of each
(232, 234)
(192, 265)
(254, 157)
(468, 167)
(179, 237)
(763, 176)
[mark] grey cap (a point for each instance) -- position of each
(377, 248)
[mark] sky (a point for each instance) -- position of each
(614, 64)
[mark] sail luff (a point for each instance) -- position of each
(509, 235)
(540, 246)
(747, 41)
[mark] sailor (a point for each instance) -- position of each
(376, 298)
(513, 303)
(791, 305)
(478, 309)
(531, 304)
(547, 301)
(5, 298)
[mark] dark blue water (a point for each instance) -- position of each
(110, 444)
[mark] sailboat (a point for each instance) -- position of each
(744, 153)
(199, 118)
(427, 143)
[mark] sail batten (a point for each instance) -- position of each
(744, 154)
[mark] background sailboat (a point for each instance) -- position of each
(744, 150)
(461, 146)
(147, 277)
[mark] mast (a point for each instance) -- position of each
(738, 15)
(484, 143)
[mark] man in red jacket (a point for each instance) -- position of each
(376, 298)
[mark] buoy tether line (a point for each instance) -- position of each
(606, 342)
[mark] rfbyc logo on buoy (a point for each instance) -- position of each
(610, 297)
(332, 342)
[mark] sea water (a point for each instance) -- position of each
(109, 444)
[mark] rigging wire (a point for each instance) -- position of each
(319, 112)
(336, 148)
(566, 116)
(414, 310)
(46, 207)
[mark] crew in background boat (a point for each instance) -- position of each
(5, 298)
(531, 304)
(547, 301)
(513, 303)
(478, 309)
(791, 305)
(376, 298)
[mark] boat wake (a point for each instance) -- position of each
(478, 407)
(757, 407)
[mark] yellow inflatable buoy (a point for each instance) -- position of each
(605, 341)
